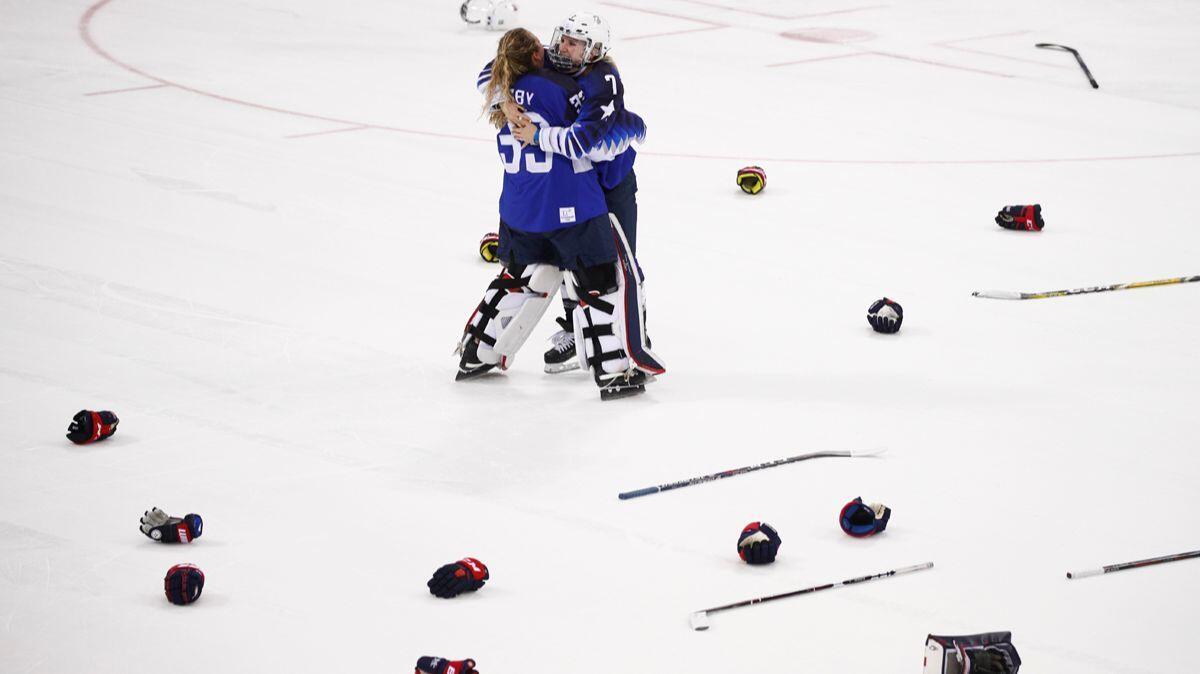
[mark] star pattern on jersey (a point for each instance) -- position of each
(608, 109)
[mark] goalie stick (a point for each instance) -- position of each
(1013, 295)
(1047, 45)
(739, 471)
(1133, 565)
(699, 619)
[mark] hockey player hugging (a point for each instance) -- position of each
(555, 227)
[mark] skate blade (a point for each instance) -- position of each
(559, 368)
(626, 392)
(472, 374)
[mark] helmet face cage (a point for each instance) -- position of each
(474, 11)
(493, 14)
(590, 28)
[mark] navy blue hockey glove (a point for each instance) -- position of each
(88, 426)
(450, 580)
(995, 659)
(861, 520)
(758, 543)
(885, 316)
(163, 528)
(431, 665)
(183, 583)
(1026, 218)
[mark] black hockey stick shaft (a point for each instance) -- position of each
(1075, 53)
(736, 471)
(1134, 565)
(699, 617)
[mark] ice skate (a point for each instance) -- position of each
(622, 384)
(561, 357)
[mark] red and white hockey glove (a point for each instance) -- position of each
(88, 426)
(450, 580)
(432, 665)
(1028, 218)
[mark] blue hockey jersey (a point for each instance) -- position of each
(604, 131)
(543, 192)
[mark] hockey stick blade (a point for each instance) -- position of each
(1078, 58)
(699, 621)
(997, 294)
(1011, 295)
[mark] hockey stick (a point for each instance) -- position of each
(1046, 45)
(699, 619)
(1133, 565)
(1012, 295)
(739, 471)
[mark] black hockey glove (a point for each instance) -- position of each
(450, 580)
(885, 316)
(995, 659)
(432, 665)
(861, 520)
(758, 543)
(88, 426)
(1026, 218)
(163, 528)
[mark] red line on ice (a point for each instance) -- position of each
(673, 32)
(947, 44)
(666, 14)
(781, 16)
(360, 127)
(818, 58)
(938, 63)
(121, 91)
(85, 34)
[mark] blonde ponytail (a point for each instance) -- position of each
(514, 57)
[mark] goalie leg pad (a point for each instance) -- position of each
(610, 318)
(511, 307)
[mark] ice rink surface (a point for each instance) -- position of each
(250, 229)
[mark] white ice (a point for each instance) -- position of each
(249, 229)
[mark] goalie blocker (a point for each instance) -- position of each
(609, 319)
(986, 653)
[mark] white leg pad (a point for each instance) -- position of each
(609, 329)
(509, 311)
(544, 281)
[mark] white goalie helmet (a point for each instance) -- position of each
(589, 27)
(493, 14)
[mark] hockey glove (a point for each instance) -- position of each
(88, 426)
(1028, 218)
(163, 528)
(183, 583)
(432, 665)
(990, 660)
(450, 580)
(861, 520)
(752, 179)
(885, 316)
(758, 543)
(488, 246)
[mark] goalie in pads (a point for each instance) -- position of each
(555, 226)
